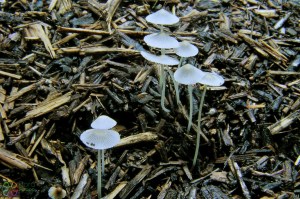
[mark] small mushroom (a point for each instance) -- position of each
(188, 75)
(162, 17)
(186, 49)
(161, 59)
(101, 138)
(209, 79)
(56, 192)
(161, 40)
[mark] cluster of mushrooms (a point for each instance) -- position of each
(102, 137)
(187, 74)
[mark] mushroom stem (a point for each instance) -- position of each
(99, 190)
(161, 27)
(190, 90)
(163, 92)
(199, 126)
(180, 61)
(161, 78)
(175, 85)
(163, 51)
(102, 161)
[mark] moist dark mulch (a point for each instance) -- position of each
(63, 63)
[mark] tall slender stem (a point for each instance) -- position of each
(175, 85)
(190, 90)
(163, 93)
(99, 166)
(161, 78)
(180, 62)
(199, 126)
(102, 160)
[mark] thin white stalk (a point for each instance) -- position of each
(163, 93)
(190, 91)
(175, 85)
(199, 126)
(180, 62)
(99, 166)
(102, 160)
(161, 79)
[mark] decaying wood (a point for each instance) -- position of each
(9, 158)
(63, 63)
(80, 169)
(44, 107)
(284, 122)
(116, 191)
(138, 138)
(82, 186)
(131, 184)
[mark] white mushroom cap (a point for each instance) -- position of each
(162, 17)
(161, 40)
(56, 192)
(161, 59)
(100, 139)
(186, 49)
(212, 79)
(103, 122)
(188, 74)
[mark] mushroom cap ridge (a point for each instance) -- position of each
(103, 122)
(162, 17)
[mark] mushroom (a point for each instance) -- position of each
(56, 192)
(188, 75)
(208, 79)
(163, 41)
(164, 60)
(160, 59)
(184, 50)
(101, 138)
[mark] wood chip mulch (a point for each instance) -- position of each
(63, 63)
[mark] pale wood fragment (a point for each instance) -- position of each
(23, 91)
(36, 143)
(44, 107)
(116, 191)
(36, 30)
(134, 182)
(284, 123)
(10, 75)
(79, 190)
(11, 159)
(134, 139)
(79, 170)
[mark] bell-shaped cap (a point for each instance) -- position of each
(161, 40)
(56, 192)
(100, 138)
(161, 59)
(188, 74)
(186, 49)
(212, 79)
(103, 122)
(162, 17)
